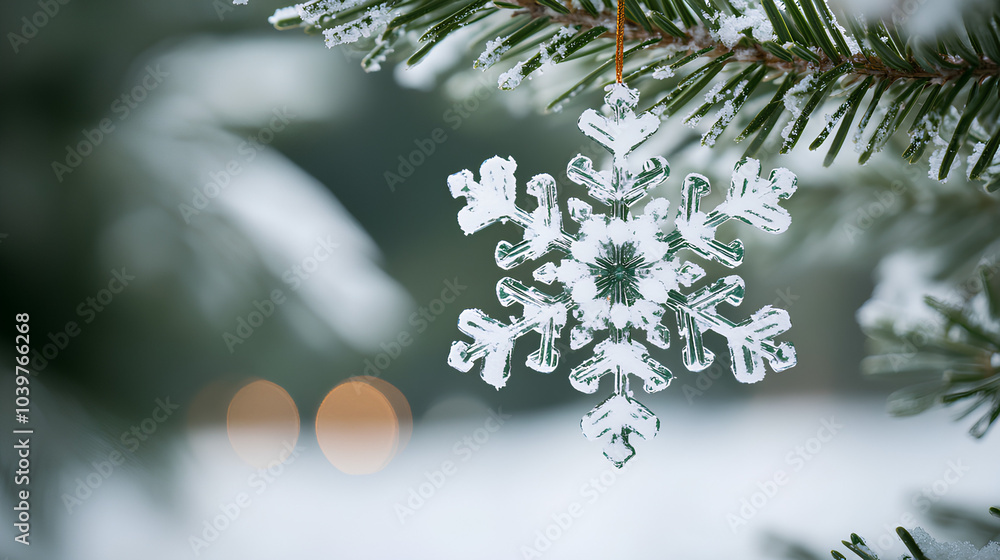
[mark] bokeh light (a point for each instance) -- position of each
(362, 424)
(205, 418)
(262, 423)
(399, 405)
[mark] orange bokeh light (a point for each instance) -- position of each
(263, 423)
(362, 424)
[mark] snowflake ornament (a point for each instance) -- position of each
(621, 273)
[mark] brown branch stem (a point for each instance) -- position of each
(698, 38)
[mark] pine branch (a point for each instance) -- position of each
(951, 551)
(697, 38)
(961, 356)
(942, 92)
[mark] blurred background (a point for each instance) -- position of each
(216, 227)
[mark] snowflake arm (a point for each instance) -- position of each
(750, 341)
(755, 201)
(494, 340)
(494, 343)
(612, 357)
(696, 229)
(547, 316)
(491, 200)
(614, 420)
(750, 199)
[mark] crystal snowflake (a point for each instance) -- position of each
(621, 272)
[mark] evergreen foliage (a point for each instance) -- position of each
(757, 63)
(956, 361)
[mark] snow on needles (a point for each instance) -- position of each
(794, 99)
(954, 551)
(731, 27)
(547, 52)
(374, 20)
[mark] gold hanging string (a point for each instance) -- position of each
(620, 41)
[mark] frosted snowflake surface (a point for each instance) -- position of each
(621, 274)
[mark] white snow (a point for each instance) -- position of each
(312, 12)
(494, 50)
(695, 231)
(374, 21)
(712, 95)
(710, 456)
(977, 152)
(936, 159)
(512, 78)
(795, 97)
(663, 72)
(954, 551)
(554, 47)
(731, 27)
(904, 279)
(282, 14)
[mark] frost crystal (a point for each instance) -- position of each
(663, 72)
(489, 57)
(794, 100)
(512, 78)
(730, 28)
(621, 273)
(954, 551)
(374, 21)
(312, 12)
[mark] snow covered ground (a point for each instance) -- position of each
(716, 481)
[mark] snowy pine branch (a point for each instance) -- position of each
(957, 360)
(922, 546)
(762, 65)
